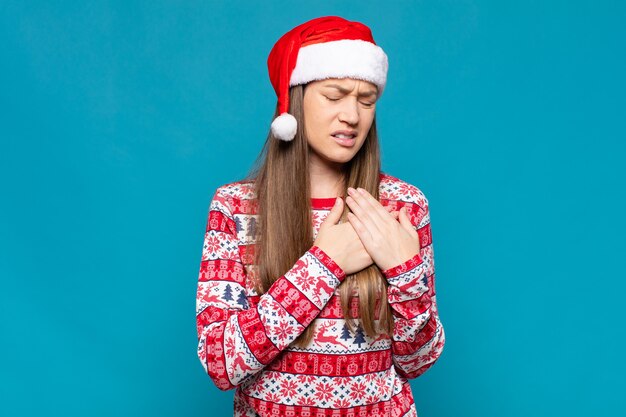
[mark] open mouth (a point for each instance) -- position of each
(345, 140)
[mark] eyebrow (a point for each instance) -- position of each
(345, 91)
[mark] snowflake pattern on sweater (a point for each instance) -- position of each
(244, 339)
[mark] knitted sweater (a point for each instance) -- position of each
(244, 340)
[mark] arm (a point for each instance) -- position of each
(238, 338)
(418, 337)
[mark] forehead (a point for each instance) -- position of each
(345, 84)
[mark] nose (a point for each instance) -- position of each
(350, 111)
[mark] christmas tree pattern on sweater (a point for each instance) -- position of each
(244, 339)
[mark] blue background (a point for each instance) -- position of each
(119, 120)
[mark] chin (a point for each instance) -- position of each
(336, 154)
(340, 158)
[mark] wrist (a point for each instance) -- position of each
(402, 266)
(330, 261)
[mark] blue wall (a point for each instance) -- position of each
(119, 119)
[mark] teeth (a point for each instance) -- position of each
(344, 136)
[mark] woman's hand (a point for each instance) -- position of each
(388, 241)
(341, 242)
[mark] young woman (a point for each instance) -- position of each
(316, 292)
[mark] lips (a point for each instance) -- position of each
(347, 142)
(349, 133)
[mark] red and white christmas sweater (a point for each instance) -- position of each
(244, 340)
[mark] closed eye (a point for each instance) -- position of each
(337, 99)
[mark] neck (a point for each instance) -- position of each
(325, 179)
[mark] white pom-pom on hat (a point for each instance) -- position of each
(284, 127)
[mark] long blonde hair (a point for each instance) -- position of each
(284, 226)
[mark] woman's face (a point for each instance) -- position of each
(338, 106)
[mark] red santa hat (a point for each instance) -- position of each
(324, 47)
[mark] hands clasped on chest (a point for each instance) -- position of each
(374, 234)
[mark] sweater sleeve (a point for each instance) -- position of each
(237, 338)
(418, 337)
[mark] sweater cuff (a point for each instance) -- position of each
(328, 262)
(403, 267)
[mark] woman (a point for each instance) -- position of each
(309, 303)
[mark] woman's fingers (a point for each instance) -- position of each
(394, 213)
(364, 212)
(368, 209)
(403, 218)
(364, 234)
(375, 204)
